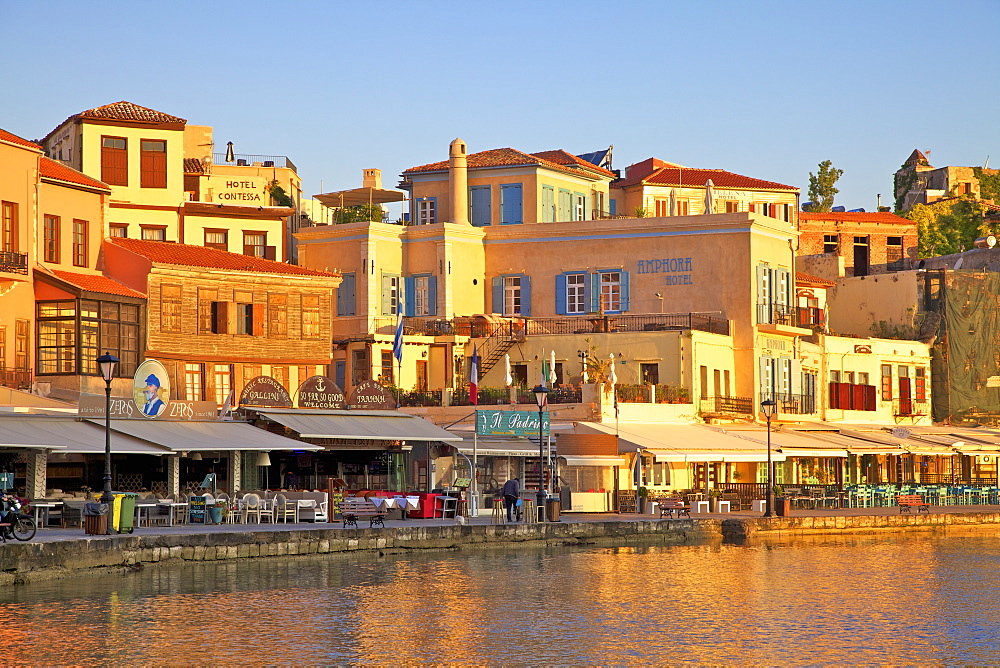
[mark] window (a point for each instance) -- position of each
(71, 334)
(835, 376)
(114, 161)
(886, 382)
(682, 207)
(50, 241)
(920, 386)
(80, 242)
(894, 253)
(386, 374)
(207, 299)
(849, 377)
(579, 206)
(119, 231)
(830, 243)
(774, 295)
(170, 308)
(611, 291)
(732, 206)
(154, 233)
(310, 316)
(280, 373)
(255, 244)
(153, 163)
(218, 239)
(421, 289)
(277, 306)
(661, 207)
(650, 373)
(519, 374)
(359, 366)
(863, 378)
(480, 204)
(390, 294)
(426, 210)
(346, 295)
(8, 233)
(223, 382)
(548, 204)
(512, 295)
(194, 382)
(575, 297)
(511, 204)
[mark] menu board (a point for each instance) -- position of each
(197, 509)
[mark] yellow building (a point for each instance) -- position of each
(164, 186)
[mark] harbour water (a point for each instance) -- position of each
(893, 598)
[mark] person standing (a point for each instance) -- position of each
(511, 492)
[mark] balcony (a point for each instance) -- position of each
(726, 406)
(19, 379)
(905, 407)
(251, 160)
(779, 319)
(13, 262)
(793, 404)
(812, 317)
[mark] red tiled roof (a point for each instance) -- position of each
(199, 256)
(561, 157)
(53, 169)
(193, 166)
(692, 178)
(96, 283)
(14, 139)
(497, 157)
(801, 277)
(127, 111)
(856, 217)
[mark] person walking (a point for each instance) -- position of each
(511, 492)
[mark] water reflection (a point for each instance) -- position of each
(897, 598)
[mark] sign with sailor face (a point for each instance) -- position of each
(151, 388)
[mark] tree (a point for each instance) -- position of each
(946, 227)
(821, 186)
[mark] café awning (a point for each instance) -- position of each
(497, 447)
(68, 435)
(683, 442)
(360, 425)
(214, 435)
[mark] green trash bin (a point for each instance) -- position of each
(123, 511)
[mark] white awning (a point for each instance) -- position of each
(69, 435)
(214, 435)
(498, 447)
(791, 444)
(684, 442)
(593, 460)
(360, 425)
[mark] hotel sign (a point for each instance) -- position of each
(245, 190)
(509, 423)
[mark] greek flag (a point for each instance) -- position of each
(397, 341)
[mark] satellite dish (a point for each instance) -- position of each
(900, 432)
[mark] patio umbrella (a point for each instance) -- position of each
(230, 157)
(673, 202)
(552, 369)
(612, 376)
(507, 380)
(709, 196)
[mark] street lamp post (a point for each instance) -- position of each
(541, 392)
(768, 407)
(107, 363)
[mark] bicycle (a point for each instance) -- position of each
(20, 526)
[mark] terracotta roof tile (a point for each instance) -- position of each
(856, 217)
(193, 166)
(14, 139)
(199, 256)
(562, 157)
(96, 283)
(127, 111)
(693, 178)
(801, 277)
(499, 157)
(53, 169)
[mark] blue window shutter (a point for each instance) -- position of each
(614, 207)
(510, 204)
(410, 296)
(525, 295)
(339, 373)
(346, 299)
(561, 294)
(497, 294)
(594, 298)
(624, 291)
(432, 295)
(480, 201)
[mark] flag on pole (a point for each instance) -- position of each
(397, 342)
(474, 377)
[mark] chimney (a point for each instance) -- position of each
(372, 179)
(458, 182)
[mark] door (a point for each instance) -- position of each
(905, 398)
(422, 375)
(860, 256)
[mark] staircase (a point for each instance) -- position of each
(495, 346)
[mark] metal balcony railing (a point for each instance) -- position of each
(17, 378)
(726, 405)
(13, 262)
(793, 404)
(777, 314)
(249, 159)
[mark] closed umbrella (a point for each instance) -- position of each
(673, 202)
(552, 369)
(612, 376)
(230, 156)
(508, 381)
(709, 196)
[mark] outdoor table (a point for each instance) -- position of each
(139, 508)
(172, 510)
(42, 508)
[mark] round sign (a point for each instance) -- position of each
(371, 395)
(900, 432)
(320, 392)
(151, 388)
(266, 392)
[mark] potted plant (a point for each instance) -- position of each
(642, 494)
(218, 511)
(713, 500)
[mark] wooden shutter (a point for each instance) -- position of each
(346, 295)
(525, 295)
(844, 395)
(409, 296)
(623, 285)
(594, 298)
(834, 396)
(870, 393)
(497, 286)
(432, 292)
(511, 205)
(387, 294)
(480, 202)
(858, 397)
(114, 161)
(257, 314)
(561, 294)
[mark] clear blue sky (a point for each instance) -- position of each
(767, 89)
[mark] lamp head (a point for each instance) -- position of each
(107, 363)
(540, 393)
(768, 407)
